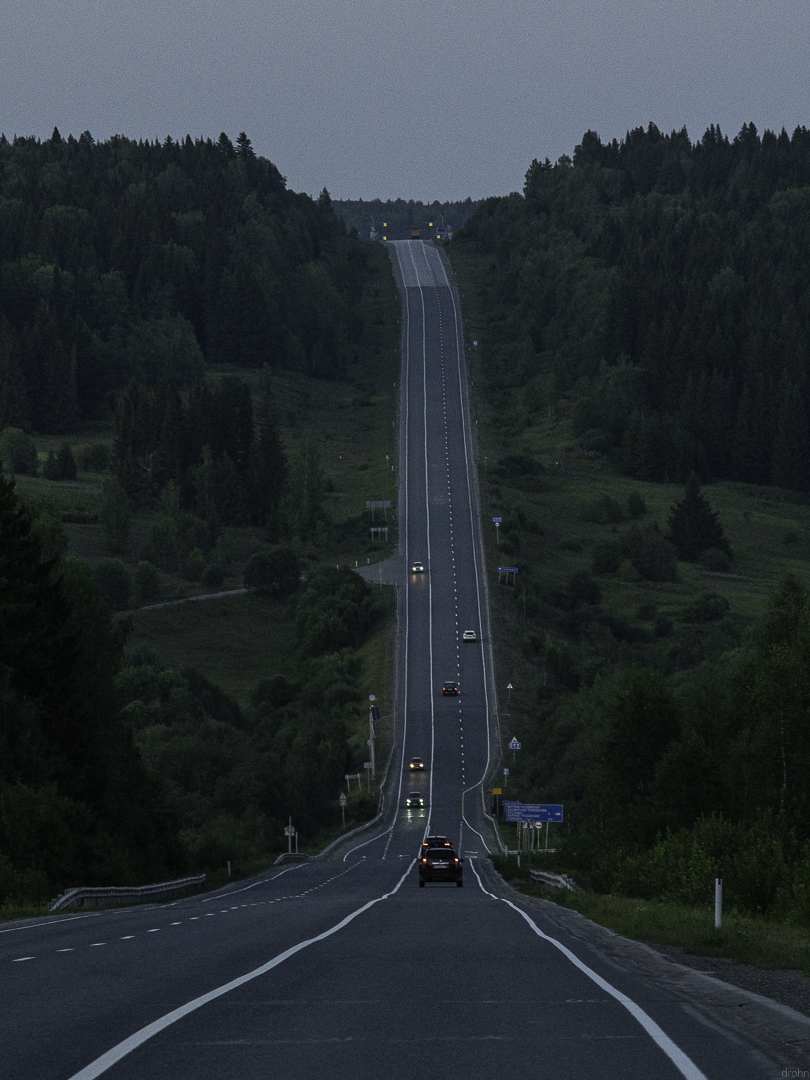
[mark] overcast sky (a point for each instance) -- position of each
(413, 99)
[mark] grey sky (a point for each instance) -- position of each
(411, 98)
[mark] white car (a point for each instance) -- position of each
(469, 635)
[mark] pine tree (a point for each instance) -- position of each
(694, 526)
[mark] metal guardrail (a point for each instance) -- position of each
(554, 881)
(105, 896)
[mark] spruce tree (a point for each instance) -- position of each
(694, 526)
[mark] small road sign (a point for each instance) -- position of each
(497, 520)
(497, 791)
(289, 830)
(514, 744)
(378, 504)
(371, 697)
(507, 569)
(342, 799)
(505, 772)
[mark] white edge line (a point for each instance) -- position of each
(113, 1056)
(685, 1066)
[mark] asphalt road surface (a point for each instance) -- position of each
(344, 967)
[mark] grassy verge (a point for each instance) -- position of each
(758, 942)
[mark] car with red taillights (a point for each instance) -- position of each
(440, 864)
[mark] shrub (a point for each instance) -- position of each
(18, 452)
(583, 589)
(604, 511)
(706, 608)
(213, 576)
(146, 581)
(114, 582)
(651, 554)
(50, 469)
(715, 560)
(275, 573)
(607, 556)
(194, 565)
(65, 463)
(636, 506)
(95, 457)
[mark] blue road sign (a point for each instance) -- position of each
(507, 569)
(497, 520)
(514, 745)
(532, 811)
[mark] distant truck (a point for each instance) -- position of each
(416, 234)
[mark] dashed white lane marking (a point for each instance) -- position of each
(114, 1055)
(222, 911)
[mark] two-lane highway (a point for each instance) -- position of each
(344, 966)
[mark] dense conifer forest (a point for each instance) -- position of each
(660, 286)
(642, 313)
(130, 260)
(152, 297)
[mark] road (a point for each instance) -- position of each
(344, 967)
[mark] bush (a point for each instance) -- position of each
(50, 469)
(636, 506)
(651, 554)
(114, 582)
(604, 511)
(18, 452)
(583, 589)
(95, 457)
(274, 573)
(65, 463)
(213, 576)
(706, 608)
(146, 581)
(607, 556)
(194, 565)
(715, 560)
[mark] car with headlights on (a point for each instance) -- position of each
(414, 801)
(416, 764)
(440, 864)
(418, 567)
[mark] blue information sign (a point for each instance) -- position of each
(533, 811)
(507, 569)
(497, 520)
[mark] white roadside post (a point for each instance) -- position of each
(718, 899)
(343, 807)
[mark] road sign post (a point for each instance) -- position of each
(343, 807)
(289, 832)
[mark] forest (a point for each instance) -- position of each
(658, 285)
(167, 311)
(641, 311)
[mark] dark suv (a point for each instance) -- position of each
(434, 842)
(450, 688)
(440, 864)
